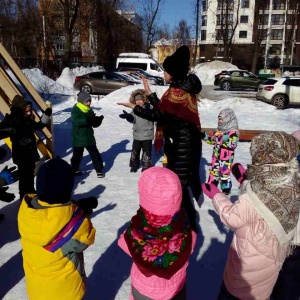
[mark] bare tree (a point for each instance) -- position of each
(197, 29)
(182, 33)
(259, 31)
(227, 21)
(293, 21)
(150, 14)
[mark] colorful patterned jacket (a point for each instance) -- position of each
(53, 267)
(224, 146)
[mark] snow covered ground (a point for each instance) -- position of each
(107, 267)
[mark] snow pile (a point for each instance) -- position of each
(68, 75)
(207, 71)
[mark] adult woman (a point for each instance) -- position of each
(178, 125)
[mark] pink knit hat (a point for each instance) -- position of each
(160, 191)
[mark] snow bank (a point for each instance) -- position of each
(207, 71)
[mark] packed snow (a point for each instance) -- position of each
(107, 267)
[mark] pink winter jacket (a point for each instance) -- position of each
(251, 269)
(155, 287)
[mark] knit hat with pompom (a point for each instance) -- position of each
(160, 191)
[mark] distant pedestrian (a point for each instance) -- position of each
(143, 132)
(159, 238)
(83, 121)
(224, 140)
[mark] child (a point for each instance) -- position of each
(264, 217)
(159, 238)
(225, 140)
(143, 132)
(20, 126)
(83, 121)
(54, 233)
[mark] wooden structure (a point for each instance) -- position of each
(9, 89)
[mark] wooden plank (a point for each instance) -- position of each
(245, 134)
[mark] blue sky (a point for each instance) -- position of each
(174, 10)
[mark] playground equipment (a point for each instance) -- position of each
(9, 89)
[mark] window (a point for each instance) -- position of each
(263, 33)
(204, 5)
(244, 19)
(292, 82)
(225, 4)
(204, 20)
(221, 19)
(277, 19)
(245, 4)
(112, 77)
(263, 19)
(243, 34)
(276, 34)
(97, 75)
(291, 19)
(203, 35)
(236, 74)
(202, 48)
(275, 49)
(278, 4)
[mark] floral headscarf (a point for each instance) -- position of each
(229, 120)
(275, 182)
(159, 245)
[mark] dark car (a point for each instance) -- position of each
(158, 80)
(101, 82)
(237, 79)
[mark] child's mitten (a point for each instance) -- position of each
(210, 190)
(8, 176)
(87, 204)
(239, 172)
(5, 196)
(127, 116)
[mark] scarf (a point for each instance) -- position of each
(183, 105)
(274, 182)
(85, 109)
(159, 245)
(67, 231)
(229, 120)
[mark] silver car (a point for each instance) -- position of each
(101, 82)
(281, 92)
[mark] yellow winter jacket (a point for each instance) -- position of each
(55, 275)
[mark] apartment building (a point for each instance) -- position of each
(231, 28)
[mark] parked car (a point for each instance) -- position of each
(237, 79)
(157, 80)
(100, 82)
(129, 78)
(281, 92)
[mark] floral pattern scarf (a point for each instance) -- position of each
(159, 245)
(180, 103)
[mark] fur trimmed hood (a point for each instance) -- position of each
(138, 92)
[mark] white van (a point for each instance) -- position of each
(140, 61)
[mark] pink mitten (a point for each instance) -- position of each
(239, 172)
(210, 190)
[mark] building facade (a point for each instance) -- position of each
(236, 30)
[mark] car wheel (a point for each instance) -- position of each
(280, 101)
(86, 88)
(226, 86)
